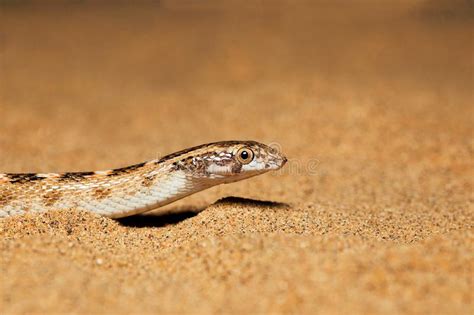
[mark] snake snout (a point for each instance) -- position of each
(281, 161)
(277, 161)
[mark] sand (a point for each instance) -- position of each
(372, 104)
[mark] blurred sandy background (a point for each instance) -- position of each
(372, 102)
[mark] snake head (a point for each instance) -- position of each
(236, 160)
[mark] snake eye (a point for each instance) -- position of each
(245, 156)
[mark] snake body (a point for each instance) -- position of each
(141, 187)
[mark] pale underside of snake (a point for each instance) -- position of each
(141, 187)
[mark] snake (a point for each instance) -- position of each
(138, 188)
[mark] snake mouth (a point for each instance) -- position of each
(277, 163)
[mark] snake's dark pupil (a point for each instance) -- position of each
(244, 155)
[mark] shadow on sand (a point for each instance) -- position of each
(251, 202)
(160, 220)
(156, 220)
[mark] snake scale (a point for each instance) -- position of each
(141, 187)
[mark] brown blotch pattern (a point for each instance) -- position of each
(23, 178)
(101, 193)
(75, 176)
(5, 197)
(125, 170)
(51, 197)
(148, 180)
(236, 168)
